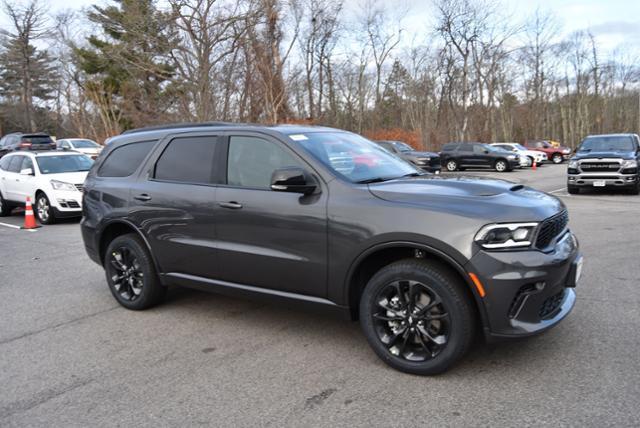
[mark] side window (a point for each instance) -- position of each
(15, 164)
(387, 146)
(4, 163)
(65, 145)
(124, 160)
(450, 147)
(252, 160)
(26, 163)
(478, 149)
(465, 147)
(188, 160)
(3, 141)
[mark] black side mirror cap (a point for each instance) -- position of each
(293, 180)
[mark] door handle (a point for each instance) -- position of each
(232, 205)
(142, 197)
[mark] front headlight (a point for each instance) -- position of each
(422, 161)
(507, 235)
(61, 185)
(573, 164)
(632, 163)
(566, 151)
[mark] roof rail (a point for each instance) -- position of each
(180, 125)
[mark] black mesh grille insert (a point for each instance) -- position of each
(550, 305)
(551, 227)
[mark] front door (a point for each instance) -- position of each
(267, 238)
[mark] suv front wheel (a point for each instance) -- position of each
(131, 274)
(501, 165)
(416, 316)
(452, 165)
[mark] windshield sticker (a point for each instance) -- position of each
(298, 137)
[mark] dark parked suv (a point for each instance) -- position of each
(320, 217)
(20, 141)
(606, 161)
(426, 161)
(458, 156)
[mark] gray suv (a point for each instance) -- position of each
(323, 218)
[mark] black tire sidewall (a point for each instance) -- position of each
(6, 208)
(454, 301)
(152, 290)
(556, 156)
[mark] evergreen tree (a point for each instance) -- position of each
(129, 65)
(27, 75)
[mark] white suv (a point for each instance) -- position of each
(82, 145)
(525, 154)
(53, 180)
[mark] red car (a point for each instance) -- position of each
(555, 154)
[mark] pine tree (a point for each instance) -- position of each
(27, 74)
(128, 65)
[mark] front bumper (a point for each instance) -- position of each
(66, 203)
(528, 291)
(609, 180)
(435, 169)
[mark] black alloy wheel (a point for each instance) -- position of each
(411, 320)
(131, 273)
(417, 316)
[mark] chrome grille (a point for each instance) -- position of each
(551, 228)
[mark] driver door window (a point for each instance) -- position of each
(252, 160)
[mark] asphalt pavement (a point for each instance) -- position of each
(70, 356)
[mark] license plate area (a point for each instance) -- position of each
(599, 183)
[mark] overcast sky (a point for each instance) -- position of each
(615, 23)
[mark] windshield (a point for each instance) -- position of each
(607, 144)
(84, 144)
(354, 157)
(520, 147)
(403, 147)
(37, 139)
(63, 163)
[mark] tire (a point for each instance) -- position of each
(573, 190)
(557, 158)
(531, 161)
(452, 165)
(449, 330)
(501, 165)
(131, 273)
(5, 207)
(43, 209)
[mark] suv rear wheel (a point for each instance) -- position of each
(556, 158)
(131, 274)
(5, 208)
(416, 317)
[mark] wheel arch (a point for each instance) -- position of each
(118, 228)
(379, 256)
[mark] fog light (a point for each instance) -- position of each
(572, 179)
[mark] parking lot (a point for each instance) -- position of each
(71, 356)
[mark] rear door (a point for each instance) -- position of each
(481, 157)
(269, 239)
(465, 154)
(174, 202)
(25, 184)
(11, 179)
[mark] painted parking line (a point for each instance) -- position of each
(13, 226)
(558, 190)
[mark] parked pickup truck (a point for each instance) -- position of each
(606, 161)
(555, 154)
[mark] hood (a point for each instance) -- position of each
(69, 177)
(607, 154)
(494, 200)
(417, 154)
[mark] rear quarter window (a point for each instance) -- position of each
(125, 160)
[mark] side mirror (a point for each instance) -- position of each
(486, 151)
(26, 171)
(292, 179)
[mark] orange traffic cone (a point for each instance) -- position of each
(533, 166)
(29, 219)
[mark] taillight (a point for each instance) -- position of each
(25, 144)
